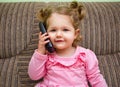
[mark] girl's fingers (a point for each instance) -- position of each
(43, 38)
(40, 34)
(46, 41)
(43, 35)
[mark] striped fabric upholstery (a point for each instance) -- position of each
(101, 33)
(16, 26)
(19, 37)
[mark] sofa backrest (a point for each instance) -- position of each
(100, 29)
(16, 20)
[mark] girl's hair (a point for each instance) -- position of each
(75, 10)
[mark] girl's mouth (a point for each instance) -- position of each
(58, 40)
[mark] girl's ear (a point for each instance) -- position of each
(77, 32)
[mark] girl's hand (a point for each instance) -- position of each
(42, 42)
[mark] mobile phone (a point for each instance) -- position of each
(49, 45)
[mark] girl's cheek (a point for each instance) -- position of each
(51, 37)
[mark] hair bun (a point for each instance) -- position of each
(42, 14)
(79, 8)
(74, 5)
(81, 11)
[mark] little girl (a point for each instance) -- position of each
(70, 65)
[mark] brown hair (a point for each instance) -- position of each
(75, 10)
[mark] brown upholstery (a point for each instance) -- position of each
(19, 36)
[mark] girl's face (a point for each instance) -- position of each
(61, 31)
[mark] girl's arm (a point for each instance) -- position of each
(93, 73)
(36, 68)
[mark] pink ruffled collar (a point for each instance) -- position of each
(79, 55)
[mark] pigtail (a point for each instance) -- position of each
(81, 11)
(43, 14)
(78, 13)
(79, 8)
(73, 5)
(40, 15)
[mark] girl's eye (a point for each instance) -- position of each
(52, 30)
(65, 30)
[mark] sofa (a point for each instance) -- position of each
(19, 30)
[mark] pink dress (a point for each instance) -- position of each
(74, 71)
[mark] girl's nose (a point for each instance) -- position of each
(58, 33)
